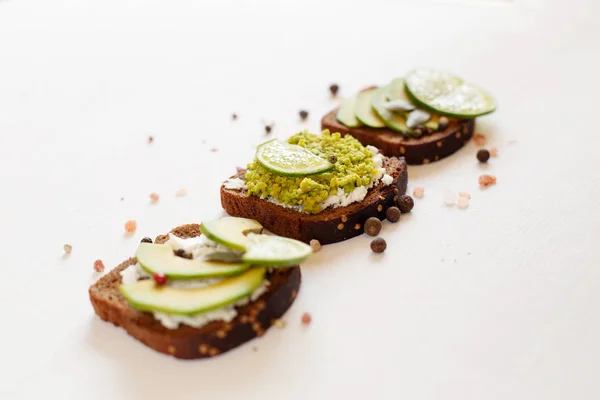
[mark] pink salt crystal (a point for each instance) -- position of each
(154, 197)
(419, 192)
(130, 226)
(487, 180)
(464, 194)
(98, 266)
(494, 152)
(479, 139)
(463, 202)
(181, 192)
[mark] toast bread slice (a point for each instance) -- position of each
(424, 150)
(329, 226)
(186, 342)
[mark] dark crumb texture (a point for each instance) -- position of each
(424, 150)
(186, 342)
(330, 226)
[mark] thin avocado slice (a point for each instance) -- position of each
(282, 158)
(230, 231)
(159, 258)
(346, 115)
(275, 251)
(364, 109)
(394, 121)
(147, 296)
(447, 94)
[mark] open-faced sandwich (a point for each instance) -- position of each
(193, 295)
(422, 117)
(315, 187)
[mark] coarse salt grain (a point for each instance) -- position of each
(279, 323)
(130, 226)
(464, 194)
(487, 180)
(418, 192)
(98, 266)
(494, 152)
(315, 245)
(154, 197)
(181, 192)
(449, 197)
(306, 318)
(214, 150)
(479, 139)
(463, 202)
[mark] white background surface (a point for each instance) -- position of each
(499, 301)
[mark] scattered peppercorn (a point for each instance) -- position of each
(443, 123)
(146, 240)
(303, 114)
(234, 117)
(393, 214)
(306, 318)
(68, 248)
(378, 245)
(334, 88)
(373, 226)
(332, 159)
(396, 191)
(483, 155)
(268, 129)
(150, 139)
(159, 278)
(98, 266)
(405, 203)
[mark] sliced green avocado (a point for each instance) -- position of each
(159, 258)
(364, 109)
(346, 115)
(394, 121)
(147, 296)
(275, 251)
(230, 231)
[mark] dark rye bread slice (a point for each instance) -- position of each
(329, 226)
(424, 150)
(186, 342)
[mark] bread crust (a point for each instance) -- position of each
(424, 150)
(330, 226)
(214, 338)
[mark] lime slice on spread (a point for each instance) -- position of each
(282, 158)
(346, 115)
(275, 251)
(447, 94)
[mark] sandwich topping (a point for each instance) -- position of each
(206, 277)
(348, 168)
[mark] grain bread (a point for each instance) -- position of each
(329, 226)
(424, 150)
(187, 342)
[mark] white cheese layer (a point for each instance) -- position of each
(339, 199)
(198, 247)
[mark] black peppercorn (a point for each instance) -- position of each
(483, 155)
(373, 226)
(405, 203)
(393, 214)
(146, 240)
(268, 129)
(378, 245)
(303, 114)
(332, 159)
(443, 123)
(334, 88)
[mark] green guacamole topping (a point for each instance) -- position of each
(354, 167)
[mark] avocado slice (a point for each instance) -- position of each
(394, 121)
(230, 231)
(346, 115)
(364, 109)
(147, 296)
(275, 251)
(159, 258)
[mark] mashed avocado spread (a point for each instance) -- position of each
(354, 167)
